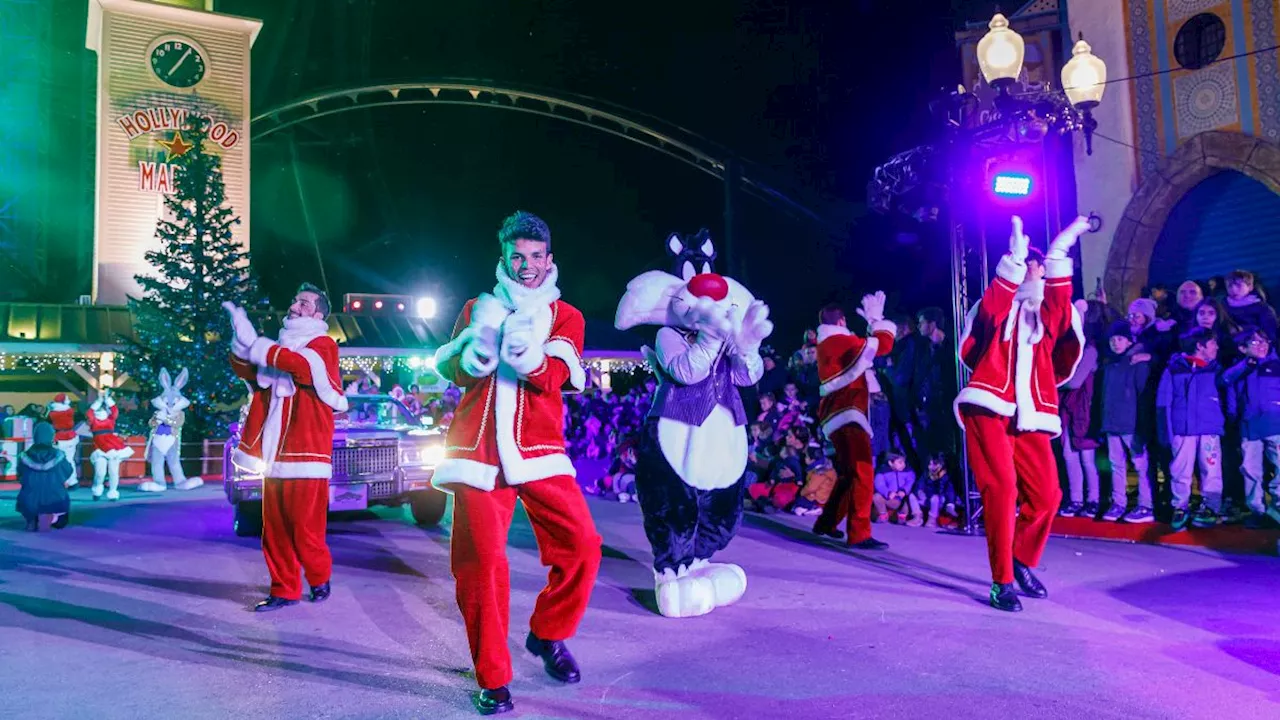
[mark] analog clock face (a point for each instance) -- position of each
(178, 63)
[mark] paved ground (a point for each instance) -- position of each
(140, 611)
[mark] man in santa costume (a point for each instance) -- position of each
(1021, 341)
(109, 449)
(512, 353)
(287, 437)
(63, 418)
(844, 359)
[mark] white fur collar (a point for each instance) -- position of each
(826, 331)
(1026, 304)
(518, 297)
(299, 331)
(58, 407)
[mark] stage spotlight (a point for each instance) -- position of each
(1011, 184)
(426, 308)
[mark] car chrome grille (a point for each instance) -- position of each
(381, 490)
(357, 461)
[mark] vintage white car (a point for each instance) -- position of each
(381, 456)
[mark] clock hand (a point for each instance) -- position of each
(179, 63)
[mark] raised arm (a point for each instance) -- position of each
(1057, 309)
(561, 354)
(687, 363)
(746, 367)
(449, 356)
(997, 300)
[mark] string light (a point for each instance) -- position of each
(616, 365)
(386, 363)
(46, 362)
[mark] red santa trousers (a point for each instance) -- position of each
(567, 543)
(294, 517)
(1009, 467)
(855, 484)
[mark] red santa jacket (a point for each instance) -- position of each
(1020, 353)
(506, 422)
(288, 432)
(63, 418)
(106, 443)
(844, 361)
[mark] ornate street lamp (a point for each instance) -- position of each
(1039, 108)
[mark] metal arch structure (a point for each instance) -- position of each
(670, 140)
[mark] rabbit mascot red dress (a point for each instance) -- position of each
(692, 454)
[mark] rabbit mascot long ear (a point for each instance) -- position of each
(164, 445)
(692, 457)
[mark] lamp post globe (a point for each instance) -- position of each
(1084, 76)
(1000, 53)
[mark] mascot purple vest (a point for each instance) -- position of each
(692, 455)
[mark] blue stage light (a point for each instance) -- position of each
(1011, 185)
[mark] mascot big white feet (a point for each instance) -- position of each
(692, 455)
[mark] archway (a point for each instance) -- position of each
(671, 140)
(1206, 154)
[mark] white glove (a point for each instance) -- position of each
(872, 309)
(709, 318)
(519, 348)
(753, 328)
(245, 334)
(1068, 237)
(1018, 243)
(476, 363)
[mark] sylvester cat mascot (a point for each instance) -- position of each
(692, 453)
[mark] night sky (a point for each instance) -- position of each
(408, 199)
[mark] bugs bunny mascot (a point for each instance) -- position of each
(164, 446)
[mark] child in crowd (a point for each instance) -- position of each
(936, 492)
(1120, 420)
(781, 487)
(1253, 400)
(818, 482)
(42, 473)
(1190, 421)
(1246, 305)
(894, 497)
(1079, 448)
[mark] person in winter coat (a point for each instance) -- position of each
(895, 497)
(1190, 295)
(1253, 400)
(1157, 337)
(43, 471)
(1246, 305)
(1190, 421)
(1079, 448)
(1122, 393)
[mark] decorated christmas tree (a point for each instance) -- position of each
(179, 320)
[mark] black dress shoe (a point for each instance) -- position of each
(1029, 583)
(33, 525)
(555, 658)
(828, 532)
(1004, 598)
(273, 603)
(492, 702)
(62, 521)
(870, 544)
(320, 593)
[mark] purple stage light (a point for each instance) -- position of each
(1011, 185)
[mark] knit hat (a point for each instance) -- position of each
(1121, 328)
(1145, 307)
(43, 434)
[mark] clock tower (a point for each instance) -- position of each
(158, 62)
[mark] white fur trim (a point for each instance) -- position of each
(883, 325)
(1077, 327)
(58, 407)
(461, 471)
(516, 469)
(565, 351)
(847, 376)
(1058, 268)
(246, 462)
(301, 471)
(1011, 271)
(983, 399)
(845, 417)
(259, 349)
(826, 331)
(1036, 421)
(329, 393)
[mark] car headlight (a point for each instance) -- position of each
(422, 455)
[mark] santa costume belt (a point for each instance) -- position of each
(96, 433)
